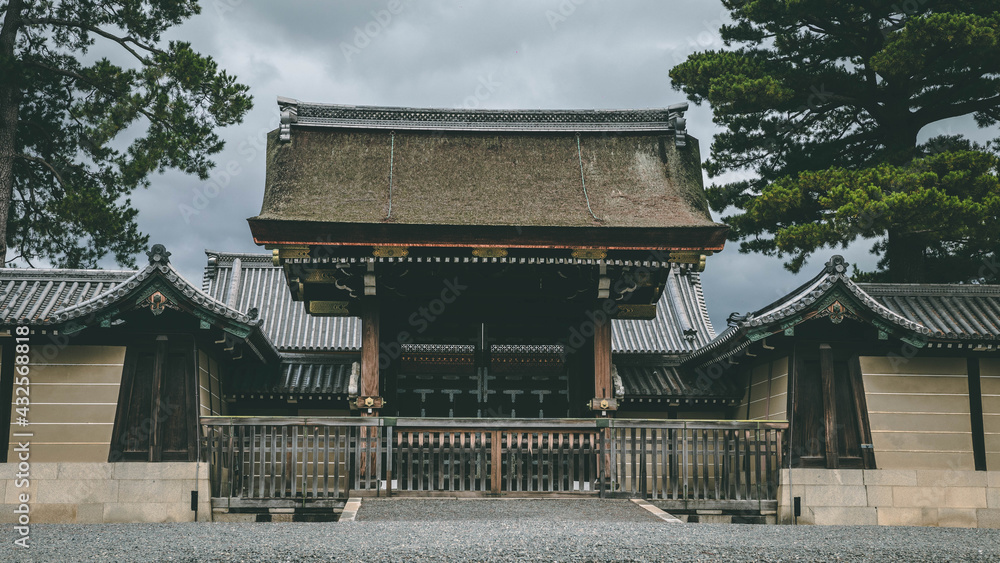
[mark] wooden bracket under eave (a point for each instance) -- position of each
(368, 402)
(329, 308)
(489, 252)
(390, 251)
(603, 404)
(696, 258)
(281, 253)
(590, 253)
(642, 311)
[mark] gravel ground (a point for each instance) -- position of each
(499, 531)
(563, 510)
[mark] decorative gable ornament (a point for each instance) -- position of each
(157, 302)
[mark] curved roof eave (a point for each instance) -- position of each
(815, 296)
(139, 289)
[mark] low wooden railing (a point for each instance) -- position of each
(257, 461)
(278, 461)
(698, 462)
(495, 456)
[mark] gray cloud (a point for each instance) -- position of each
(539, 54)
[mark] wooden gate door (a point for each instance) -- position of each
(494, 461)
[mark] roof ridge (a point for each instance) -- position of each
(699, 294)
(346, 115)
(224, 259)
(39, 272)
(158, 261)
(930, 288)
(833, 273)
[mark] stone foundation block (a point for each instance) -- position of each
(154, 491)
(918, 497)
(826, 476)
(229, 517)
(53, 513)
(879, 495)
(846, 495)
(13, 493)
(844, 515)
(90, 514)
(204, 512)
(76, 491)
(992, 498)
(957, 517)
(950, 478)
(85, 470)
(148, 512)
(964, 497)
(891, 477)
(993, 479)
(907, 516)
(988, 517)
(168, 470)
(39, 470)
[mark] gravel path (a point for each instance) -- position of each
(497, 531)
(562, 510)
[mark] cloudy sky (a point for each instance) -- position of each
(558, 54)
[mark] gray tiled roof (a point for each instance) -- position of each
(949, 311)
(323, 376)
(262, 285)
(667, 382)
(35, 295)
(48, 296)
(302, 376)
(682, 324)
(936, 312)
(833, 275)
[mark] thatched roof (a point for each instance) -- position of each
(515, 172)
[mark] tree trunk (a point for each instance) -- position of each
(9, 100)
(905, 252)
(907, 261)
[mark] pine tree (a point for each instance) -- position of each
(823, 103)
(78, 134)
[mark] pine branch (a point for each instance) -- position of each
(45, 163)
(121, 40)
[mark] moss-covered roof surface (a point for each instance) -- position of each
(505, 178)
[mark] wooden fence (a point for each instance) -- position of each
(698, 464)
(299, 461)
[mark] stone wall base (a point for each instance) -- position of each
(891, 497)
(107, 492)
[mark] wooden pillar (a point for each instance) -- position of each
(369, 400)
(829, 406)
(603, 403)
(155, 440)
(861, 411)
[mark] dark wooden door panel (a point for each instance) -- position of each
(156, 420)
